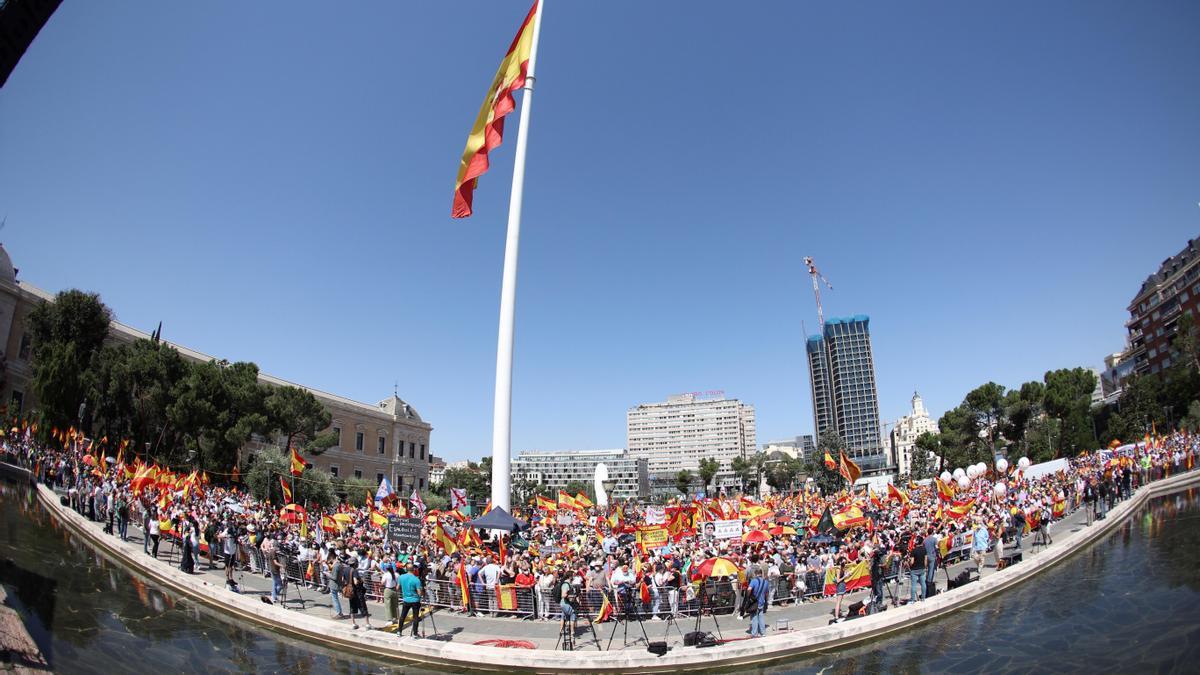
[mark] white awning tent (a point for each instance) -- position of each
(1046, 468)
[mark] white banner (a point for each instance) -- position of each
(655, 515)
(723, 529)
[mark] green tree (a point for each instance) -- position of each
(132, 386)
(683, 482)
(708, 470)
(264, 470)
(743, 469)
(781, 473)
(300, 418)
(921, 465)
(1191, 422)
(1044, 439)
(1186, 343)
(217, 409)
(575, 487)
(470, 479)
(828, 480)
(354, 490)
(65, 335)
(986, 403)
(1068, 399)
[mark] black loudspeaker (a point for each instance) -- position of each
(63, 500)
(658, 648)
(693, 638)
(708, 641)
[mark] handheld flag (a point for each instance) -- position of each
(488, 130)
(287, 492)
(298, 464)
(829, 463)
(458, 498)
(417, 504)
(848, 468)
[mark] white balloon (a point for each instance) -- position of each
(1002, 465)
(1023, 463)
(982, 468)
(972, 472)
(959, 473)
(1000, 489)
(964, 482)
(945, 476)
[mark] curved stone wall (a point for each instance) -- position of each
(459, 656)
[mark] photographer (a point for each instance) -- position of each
(229, 546)
(568, 601)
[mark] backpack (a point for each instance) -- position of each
(557, 592)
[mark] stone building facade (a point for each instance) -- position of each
(387, 439)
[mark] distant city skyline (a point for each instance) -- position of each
(990, 184)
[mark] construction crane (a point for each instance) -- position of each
(815, 274)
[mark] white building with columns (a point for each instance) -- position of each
(903, 438)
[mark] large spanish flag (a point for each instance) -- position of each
(488, 130)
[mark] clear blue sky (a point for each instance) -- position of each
(273, 181)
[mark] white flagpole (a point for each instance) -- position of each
(502, 412)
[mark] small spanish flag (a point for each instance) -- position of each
(488, 130)
(829, 463)
(287, 491)
(298, 464)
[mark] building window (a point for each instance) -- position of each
(18, 402)
(420, 483)
(358, 473)
(412, 449)
(23, 352)
(382, 440)
(333, 470)
(358, 441)
(378, 478)
(337, 431)
(422, 451)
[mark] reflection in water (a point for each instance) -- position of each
(1128, 603)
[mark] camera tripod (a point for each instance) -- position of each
(708, 599)
(628, 611)
(285, 582)
(566, 636)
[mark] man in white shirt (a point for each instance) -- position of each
(490, 574)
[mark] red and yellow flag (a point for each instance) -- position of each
(829, 463)
(897, 494)
(444, 540)
(464, 584)
(848, 468)
(287, 492)
(297, 463)
(488, 130)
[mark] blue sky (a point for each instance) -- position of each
(272, 180)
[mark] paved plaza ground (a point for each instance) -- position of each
(446, 625)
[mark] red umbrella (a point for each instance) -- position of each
(755, 536)
(715, 567)
(292, 513)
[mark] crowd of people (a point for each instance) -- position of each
(596, 561)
